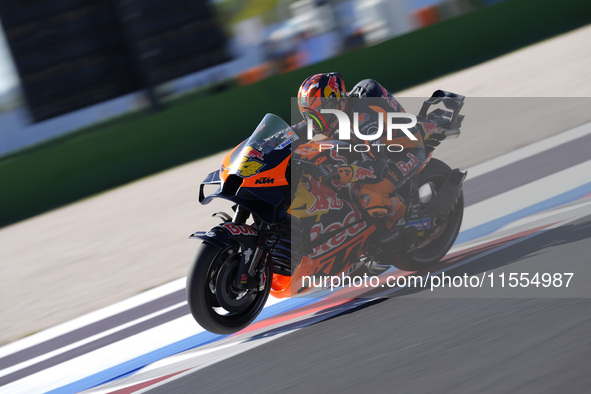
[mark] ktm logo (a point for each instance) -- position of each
(264, 180)
(320, 160)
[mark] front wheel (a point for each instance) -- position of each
(214, 302)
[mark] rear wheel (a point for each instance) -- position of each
(432, 248)
(215, 303)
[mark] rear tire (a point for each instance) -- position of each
(210, 286)
(429, 255)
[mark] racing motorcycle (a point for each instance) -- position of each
(279, 234)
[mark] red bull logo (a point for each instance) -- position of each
(409, 165)
(363, 173)
(325, 198)
(429, 128)
(255, 154)
(332, 84)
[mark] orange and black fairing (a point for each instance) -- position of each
(254, 167)
(255, 173)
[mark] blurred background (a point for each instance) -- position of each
(97, 93)
(66, 64)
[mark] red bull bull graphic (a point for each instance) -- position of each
(429, 128)
(364, 173)
(255, 154)
(325, 198)
(334, 86)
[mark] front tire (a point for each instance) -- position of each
(214, 302)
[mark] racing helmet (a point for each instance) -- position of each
(311, 97)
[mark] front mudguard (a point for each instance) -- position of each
(216, 237)
(227, 234)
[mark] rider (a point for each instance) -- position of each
(391, 170)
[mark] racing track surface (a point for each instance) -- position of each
(433, 344)
(420, 339)
(446, 340)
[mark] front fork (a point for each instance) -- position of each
(249, 275)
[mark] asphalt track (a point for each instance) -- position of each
(464, 339)
(464, 343)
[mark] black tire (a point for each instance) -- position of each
(212, 265)
(429, 255)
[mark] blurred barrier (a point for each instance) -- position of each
(65, 171)
(426, 16)
(450, 9)
(254, 74)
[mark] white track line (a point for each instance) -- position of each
(546, 214)
(108, 356)
(526, 195)
(93, 317)
(84, 341)
(105, 357)
(529, 150)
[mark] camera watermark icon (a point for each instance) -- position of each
(344, 128)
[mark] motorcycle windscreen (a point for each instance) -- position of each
(272, 134)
